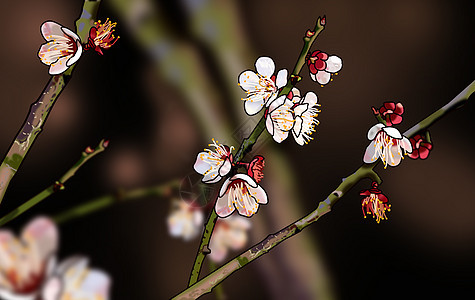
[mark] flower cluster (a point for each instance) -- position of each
(239, 191)
(63, 47)
(184, 220)
(28, 268)
(322, 66)
(229, 233)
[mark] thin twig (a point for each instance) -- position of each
(206, 284)
(57, 186)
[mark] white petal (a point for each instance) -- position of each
(41, 237)
(369, 153)
(51, 289)
(297, 129)
(269, 125)
(406, 144)
(323, 77)
(94, 286)
(296, 92)
(252, 107)
(248, 80)
(259, 194)
(396, 156)
(59, 66)
(248, 179)
(225, 168)
(211, 177)
(224, 206)
(299, 139)
(300, 109)
(246, 206)
(280, 136)
(224, 187)
(76, 55)
(265, 66)
(200, 165)
(313, 76)
(51, 29)
(310, 98)
(281, 79)
(276, 103)
(373, 131)
(71, 34)
(392, 132)
(334, 64)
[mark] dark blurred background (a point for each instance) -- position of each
(170, 84)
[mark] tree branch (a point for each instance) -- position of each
(39, 110)
(206, 284)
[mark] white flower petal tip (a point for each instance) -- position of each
(387, 144)
(214, 164)
(240, 192)
(334, 64)
(62, 50)
(184, 221)
(262, 86)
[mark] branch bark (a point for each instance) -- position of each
(206, 284)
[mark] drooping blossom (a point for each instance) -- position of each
(184, 220)
(280, 118)
(420, 147)
(63, 47)
(241, 192)
(25, 263)
(388, 144)
(101, 36)
(228, 233)
(74, 280)
(261, 87)
(322, 66)
(375, 203)
(214, 164)
(391, 112)
(306, 112)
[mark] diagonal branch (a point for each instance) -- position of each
(40, 109)
(206, 284)
(57, 186)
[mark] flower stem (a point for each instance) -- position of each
(206, 284)
(246, 147)
(105, 201)
(57, 186)
(39, 110)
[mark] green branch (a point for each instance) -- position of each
(39, 110)
(206, 284)
(57, 186)
(246, 147)
(105, 201)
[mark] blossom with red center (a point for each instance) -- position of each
(228, 233)
(420, 147)
(388, 144)
(214, 164)
(255, 169)
(261, 87)
(63, 47)
(391, 112)
(25, 263)
(101, 36)
(242, 192)
(375, 203)
(305, 110)
(322, 66)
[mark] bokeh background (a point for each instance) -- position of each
(170, 84)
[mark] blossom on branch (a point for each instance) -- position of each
(241, 192)
(228, 233)
(420, 147)
(388, 144)
(26, 262)
(280, 118)
(261, 87)
(322, 66)
(74, 280)
(391, 112)
(214, 164)
(306, 112)
(375, 203)
(184, 220)
(63, 47)
(101, 36)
